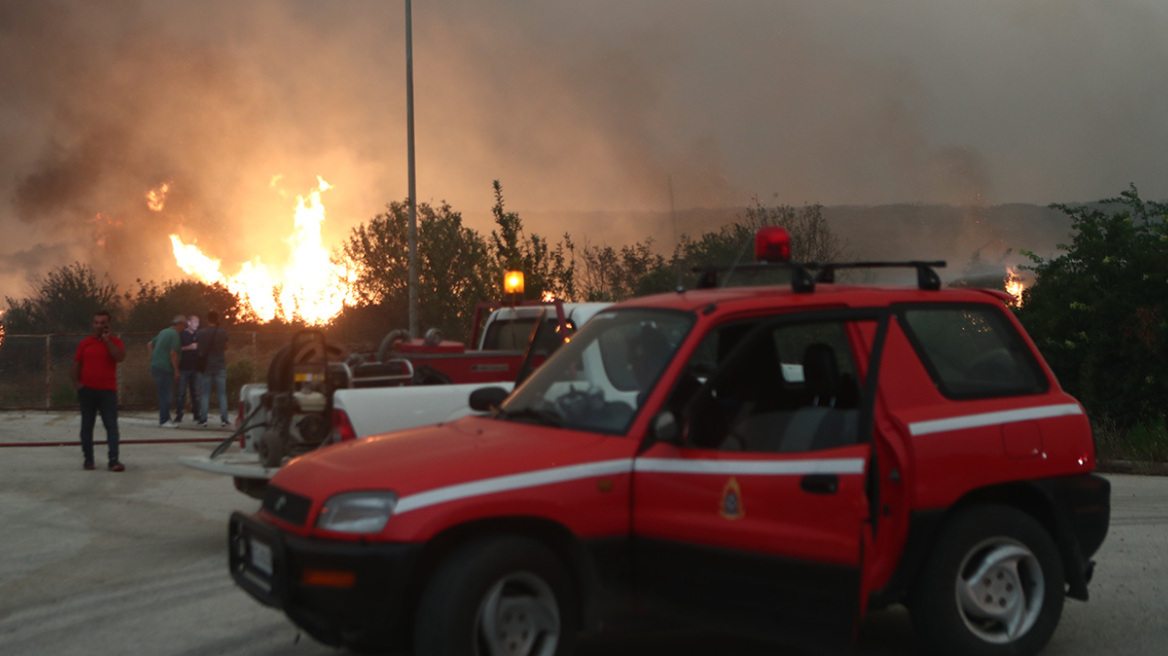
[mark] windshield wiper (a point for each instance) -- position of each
(542, 416)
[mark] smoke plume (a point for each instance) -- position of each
(598, 107)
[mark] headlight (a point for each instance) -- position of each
(357, 512)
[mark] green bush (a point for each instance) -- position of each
(1144, 442)
(1099, 311)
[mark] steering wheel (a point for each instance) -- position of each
(576, 403)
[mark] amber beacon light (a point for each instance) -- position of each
(513, 282)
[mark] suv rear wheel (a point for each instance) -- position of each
(993, 586)
(498, 596)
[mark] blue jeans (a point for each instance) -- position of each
(92, 402)
(220, 378)
(193, 380)
(164, 381)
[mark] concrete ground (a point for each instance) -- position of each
(96, 562)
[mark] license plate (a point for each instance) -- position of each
(261, 556)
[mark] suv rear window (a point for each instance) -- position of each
(972, 352)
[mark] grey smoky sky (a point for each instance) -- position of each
(574, 106)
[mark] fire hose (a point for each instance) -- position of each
(181, 440)
(223, 443)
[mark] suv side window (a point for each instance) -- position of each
(785, 388)
(972, 352)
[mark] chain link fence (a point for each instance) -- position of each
(35, 370)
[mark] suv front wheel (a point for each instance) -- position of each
(993, 586)
(502, 595)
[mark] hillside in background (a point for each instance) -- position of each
(970, 239)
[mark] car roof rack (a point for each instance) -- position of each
(802, 281)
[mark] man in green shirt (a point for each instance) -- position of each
(164, 352)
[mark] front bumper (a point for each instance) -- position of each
(360, 599)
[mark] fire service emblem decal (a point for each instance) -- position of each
(731, 507)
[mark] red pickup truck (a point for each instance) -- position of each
(774, 461)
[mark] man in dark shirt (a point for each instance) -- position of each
(95, 377)
(213, 344)
(189, 377)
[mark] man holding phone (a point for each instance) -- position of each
(95, 377)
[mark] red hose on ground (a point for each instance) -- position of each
(184, 440)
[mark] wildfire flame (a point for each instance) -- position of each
(311, 288)
(1014, 285)
(101, 226)
(156, 198)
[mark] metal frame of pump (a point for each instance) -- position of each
(300, 406)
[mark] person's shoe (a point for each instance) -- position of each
(169, 424)
(203, 424)
(225, 425)
(116, 466)
(88, 464)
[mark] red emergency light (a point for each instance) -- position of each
(772, 244)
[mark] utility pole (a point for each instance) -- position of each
(412, 283)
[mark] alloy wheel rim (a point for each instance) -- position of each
(518, 616)
(1000, 590)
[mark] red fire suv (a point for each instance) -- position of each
(773, 461)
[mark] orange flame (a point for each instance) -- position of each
(311, 288)
(1014, 285)
(156, 198)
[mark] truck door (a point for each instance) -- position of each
(752, 520)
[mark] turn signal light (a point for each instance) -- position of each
(327, 578)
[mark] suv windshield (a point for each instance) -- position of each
(599, 380)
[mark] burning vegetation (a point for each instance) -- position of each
(310, 288)
(1014, 285)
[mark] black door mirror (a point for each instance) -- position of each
(485, 398)
(666, 428)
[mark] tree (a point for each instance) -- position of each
(1099, 311)
(547, 271)
(607, 274)
(454, 270)
(152, 306)
(63, 301)
(635, 270)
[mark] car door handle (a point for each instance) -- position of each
(820, 483)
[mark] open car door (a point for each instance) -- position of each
(752, 519)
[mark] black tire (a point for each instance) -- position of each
(507, 588)
(993, 586)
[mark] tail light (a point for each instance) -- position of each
(342, 428)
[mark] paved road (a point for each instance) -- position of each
(97, 563)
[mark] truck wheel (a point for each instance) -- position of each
(993, 586)
(504, 595)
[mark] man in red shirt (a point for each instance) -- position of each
(95, 376)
